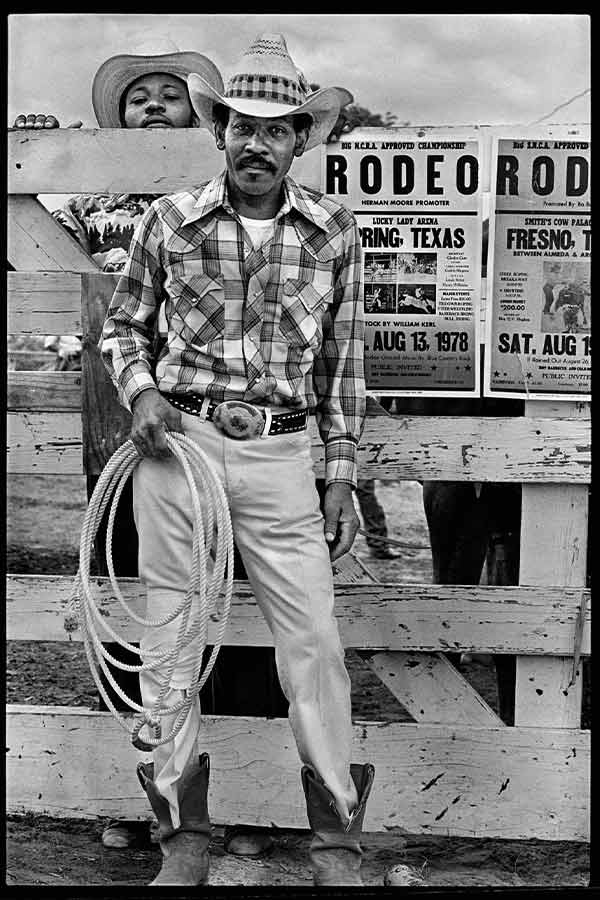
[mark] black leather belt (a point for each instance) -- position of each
(238, 419)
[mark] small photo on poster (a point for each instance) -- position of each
(380, 266)
(566, 297)
(417, 264)
(416, 298)
(380, 298)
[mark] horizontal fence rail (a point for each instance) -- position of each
(403, 448)
(107, 160)
(44, 303)
(432, 779)
(428, 618)
(44, 391)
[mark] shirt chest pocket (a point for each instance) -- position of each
(303, 306)
(197, 307)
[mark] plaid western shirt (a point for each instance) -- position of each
(278, 326)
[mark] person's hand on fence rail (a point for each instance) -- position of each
(152, 417)
(343, 125)
(41, 121)
(341, 521)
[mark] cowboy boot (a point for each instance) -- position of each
(184, 849)
(335, 851)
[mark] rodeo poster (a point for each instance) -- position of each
(417, 198)
(539, 331)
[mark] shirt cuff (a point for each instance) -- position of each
(134, 386)
(340, 462)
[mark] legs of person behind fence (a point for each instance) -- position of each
(278, 527)
(465, 526)
(373, 516)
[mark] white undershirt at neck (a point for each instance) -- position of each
(260, 230)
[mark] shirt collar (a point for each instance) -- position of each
(214, 194)
(297, 198)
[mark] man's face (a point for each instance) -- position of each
(419, 293)
(552, 278)
(259, 152)
(158, 101)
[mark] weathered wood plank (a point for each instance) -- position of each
(105, 423)
(412, 617)
(43, 443)
(430, 779)
(43, 391)
(29, 360)
(553, 550)
(351, 570)
(554, 534)
(44, 303)
(405, 448)
(108, 160)
(465, 449)
(431, 689)
(35, 240)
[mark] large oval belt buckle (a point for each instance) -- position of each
(239, 420)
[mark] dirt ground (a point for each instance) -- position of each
(44, 518)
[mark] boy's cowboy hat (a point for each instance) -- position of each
(155, 55)
(267, 84)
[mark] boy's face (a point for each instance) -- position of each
(259, 152)
(158, 101)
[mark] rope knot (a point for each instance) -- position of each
(151, 721)
(71, 622)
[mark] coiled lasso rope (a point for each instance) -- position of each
(208, 594)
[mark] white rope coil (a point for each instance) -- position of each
(208, 594)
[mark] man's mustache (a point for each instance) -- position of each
(256, 162)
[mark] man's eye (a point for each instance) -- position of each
(172, 97)
(277, 131)
(137, 100)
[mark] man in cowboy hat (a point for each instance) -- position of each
(260, 282)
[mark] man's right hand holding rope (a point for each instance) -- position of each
(152, 417)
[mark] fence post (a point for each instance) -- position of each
(554, 537)
(105, 423)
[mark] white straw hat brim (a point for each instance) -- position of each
(323, 106)
(117, 73)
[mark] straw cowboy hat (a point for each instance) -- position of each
(154, 55)
(266, 83)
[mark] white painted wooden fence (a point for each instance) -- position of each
(458, 770)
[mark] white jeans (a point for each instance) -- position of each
(278, 528)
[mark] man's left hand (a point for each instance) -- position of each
(341, 521)
(342, 126)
